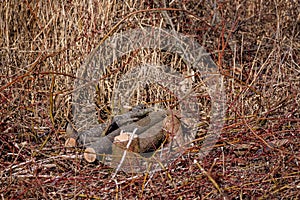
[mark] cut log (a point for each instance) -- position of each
(99, 148)
(169, 130)
(90, 155)
(124, 149)
(84, 138)
(152, 138)
(122, 141)
(72, 136)
(70, 142)
(90, 135)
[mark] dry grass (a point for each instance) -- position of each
(256, 45)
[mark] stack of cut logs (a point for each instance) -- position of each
(137, 131)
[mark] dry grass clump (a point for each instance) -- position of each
(256, 46)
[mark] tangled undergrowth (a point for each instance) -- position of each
(255, 45)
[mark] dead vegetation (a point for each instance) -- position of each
(256, 46)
